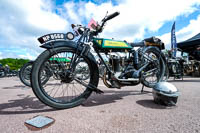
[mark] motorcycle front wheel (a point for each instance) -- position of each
(166, 75)
(67, 90)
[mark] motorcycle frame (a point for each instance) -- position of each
(86, 40)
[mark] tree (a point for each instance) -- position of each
(14, 64)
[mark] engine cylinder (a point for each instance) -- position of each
(115, 61)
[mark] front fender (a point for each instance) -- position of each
(55, 44)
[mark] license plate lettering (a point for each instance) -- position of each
(51, 37)
(46, 38)
(57, 36)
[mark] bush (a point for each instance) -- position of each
(14, 64)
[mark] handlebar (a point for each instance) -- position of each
(73, 25)
(99, 28)
(110, 16)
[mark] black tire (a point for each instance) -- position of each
(25, 73)
(2, 74)
(166, 75)
(174, 68)
(157, 62)
(196, 68)
(41, 90)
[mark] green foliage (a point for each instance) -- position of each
(14, 64)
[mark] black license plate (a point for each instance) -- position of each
(52, 37)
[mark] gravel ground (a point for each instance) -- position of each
(116, 111)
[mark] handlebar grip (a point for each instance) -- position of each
(73, 25)
(111, 16)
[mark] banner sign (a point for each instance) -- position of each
(173, 41)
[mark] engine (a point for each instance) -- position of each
(122, 65)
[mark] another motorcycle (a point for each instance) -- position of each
(25, 73)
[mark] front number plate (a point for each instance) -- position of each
(52, 37)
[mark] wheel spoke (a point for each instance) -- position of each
(152, 73)
(64, 85)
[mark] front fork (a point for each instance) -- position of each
(85, 50)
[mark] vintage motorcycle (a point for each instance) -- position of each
(174, 66)
(126, 67)
(2, 71)
(7, 72)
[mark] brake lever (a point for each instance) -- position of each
(105, 17)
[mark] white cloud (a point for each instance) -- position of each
(187, 32)
(38, 13)
(136, 16)
(73, 16)
(22, 22)
(19, 53)
(0, 55)
(27, 56)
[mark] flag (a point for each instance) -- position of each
(173, 41)
(92, 24)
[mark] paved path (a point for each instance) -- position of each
(116, 111)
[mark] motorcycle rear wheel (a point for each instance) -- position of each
(155, 71)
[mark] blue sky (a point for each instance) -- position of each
(23, 21)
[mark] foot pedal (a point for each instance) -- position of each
(95, 89)
(92, 87)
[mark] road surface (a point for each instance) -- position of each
(116, 111)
